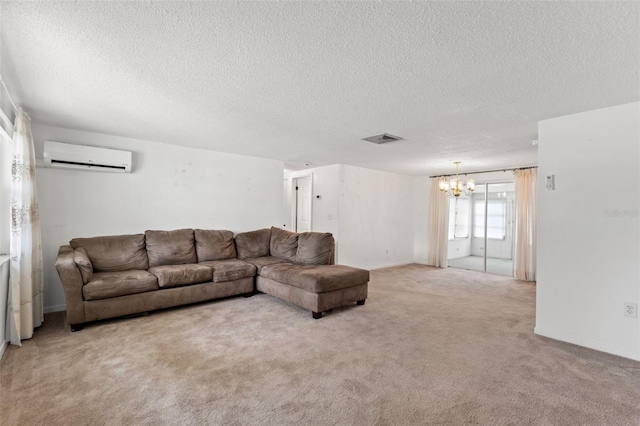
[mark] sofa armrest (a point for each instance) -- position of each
(72, 284)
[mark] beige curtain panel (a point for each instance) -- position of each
(526, 221)
(25, 289)
(438, 226)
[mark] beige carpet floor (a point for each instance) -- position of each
(431, 346)
(476, 263)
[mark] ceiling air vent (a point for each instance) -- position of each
(383, 138)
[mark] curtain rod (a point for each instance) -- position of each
(488, 171)
(15, 108)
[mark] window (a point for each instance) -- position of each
(496, 219)
(459, 216)
(6, 130)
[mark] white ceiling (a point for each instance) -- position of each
(304, 82)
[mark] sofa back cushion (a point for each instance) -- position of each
(253, 244)
(315, 248)
(283, 244)
(214, 245)
(114, 253)
(171, 247)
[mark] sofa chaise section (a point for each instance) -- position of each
(299, 268)
(317, 288)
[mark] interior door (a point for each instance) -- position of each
(492, 227)
(490, 246)
(303, 204)
(498, 230)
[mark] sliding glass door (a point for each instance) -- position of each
(488, 244)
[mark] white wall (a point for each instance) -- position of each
(588, 229)
(421, 214)
(370, 213)
(376, 218)
(171, 187)
(496, 248)
(457, 248)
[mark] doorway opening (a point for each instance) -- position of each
(481, 229)
(301, 203)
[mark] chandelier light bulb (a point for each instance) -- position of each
(455, 186)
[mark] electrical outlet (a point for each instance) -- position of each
(630, 309)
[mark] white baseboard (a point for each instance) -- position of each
(55, 308)
(587, 343)
(390, 265)
(3, 346)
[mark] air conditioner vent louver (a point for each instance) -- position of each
(383, 138)
(88, 165)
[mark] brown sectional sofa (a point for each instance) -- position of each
(112, 276)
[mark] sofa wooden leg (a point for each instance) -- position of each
(316, 315)
(76, 327)
(361, 302)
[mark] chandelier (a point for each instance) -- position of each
(455, 186)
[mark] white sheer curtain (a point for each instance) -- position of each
(438, 226)
(526, 219)
(25, 291)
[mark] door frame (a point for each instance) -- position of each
(486, 219)
(294, 200)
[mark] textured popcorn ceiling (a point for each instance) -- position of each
(304, 82)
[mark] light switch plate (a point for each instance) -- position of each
(550, 182)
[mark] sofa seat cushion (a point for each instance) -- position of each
(316, 278)
(260, 262)
(105, 285)
(230, 269)
(179, 275)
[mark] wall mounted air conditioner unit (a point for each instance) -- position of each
(81, 157)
